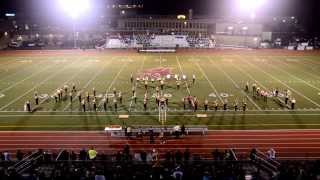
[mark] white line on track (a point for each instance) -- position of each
(235, 84)
(39, 84)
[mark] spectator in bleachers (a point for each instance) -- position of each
(271, 154)
(92, 153)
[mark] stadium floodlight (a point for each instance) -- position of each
(74, 8)
(250, 5)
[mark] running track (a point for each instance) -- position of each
(289, 144)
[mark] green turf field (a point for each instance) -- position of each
(218, 78)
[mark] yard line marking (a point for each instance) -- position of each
(72, 77)
(210, 83)
(45, 80)
(88, 83)
(273, 77)
(274, 67)
(135, 86)
(235, 84)
(186, 82)
(306, 66)
(28, 77)
(114, 80)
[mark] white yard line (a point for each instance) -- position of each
(89, 82)
(186, 82)
(210, 83)
(301, 80)
(67, 81)
(39, 84)
(135, 87)
(273, 77)
(28, 77)
(114, 80)
(236, 85)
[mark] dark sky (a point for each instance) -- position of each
(307, 11)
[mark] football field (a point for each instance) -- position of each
(218, 78)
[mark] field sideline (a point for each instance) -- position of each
(219, 76)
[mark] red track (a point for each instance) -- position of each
(289, 144)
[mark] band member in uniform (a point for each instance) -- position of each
(293, 103)
(254, 87)
(178, 85)
(115, 103)
(83, 105)
(244, 106)
(145, 84)
(157, 90)
(225, 104)
(28, 105)
(120, 97)
(104, 104)
(133, 90)
(71, 98)
(94, 92)
(135, 98)
(167, 101)
(195, 102)
(193, 79)
(145, 104)
(236, 105)
(59, 94)
(55, 97)
(215, 105)
(36, 98)
(88, 97)
(94, 104)
(184, 103)
(65, 89)
(74, 87)
(114, 92)
(131, 78)
(286, 99)
(161, 84)
(206, 104)
(152, 80)
(277, 92)
(79, 97)
(247, 87)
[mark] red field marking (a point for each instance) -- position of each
(287, 143)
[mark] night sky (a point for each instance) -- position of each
(307, 11)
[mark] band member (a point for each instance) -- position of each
(145, 104)
(36, 98)
(133, 90)
(104, 104)
(215, 104)
(193, 79)
(184, 103)
(293, 103)
(236, 105)
(131, 78)
(79, 97)
(74, 87)
(120, 97)
(206, 105)
(247, 87)
(65, 89)
(114, 92)
(28, 106)
(178, 85)
(94, 104)
(277, 92)
(254, 87)
(157, 90)
(94, 92)
(225, 105)
(161, 84)
(135, 98)
(83, 105)
(55, 97)
(244, 106)
(286, 99)
(71, 98)
(88, 97)
(115, 104)
(146, 85)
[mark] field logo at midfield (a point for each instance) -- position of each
(155, 73)
(1, 95)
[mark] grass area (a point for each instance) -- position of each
(218, 78)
